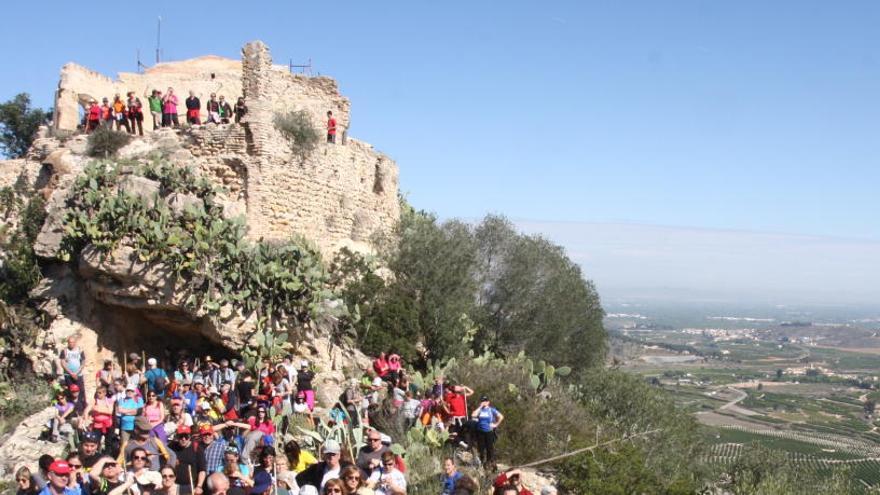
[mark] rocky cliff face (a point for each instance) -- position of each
(116, 303)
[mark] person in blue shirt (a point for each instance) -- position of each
(450, 476)
(59, 474)
(488, 418)
(127, 408)
(157, 379)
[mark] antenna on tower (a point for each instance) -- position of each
(140, 65)
(158, 38)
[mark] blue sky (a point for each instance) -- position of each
(744, 116)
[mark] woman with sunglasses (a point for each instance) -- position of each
(155, 412)
(334, 487)
(140, 472)
(78, 479)
(169, 482)
(60, 424)
(354, 482)
(26, 485)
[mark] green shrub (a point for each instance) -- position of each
(297, 127)
(283, 283)
(104, 143)
(547, 415)
(19, 271)
(21, 397)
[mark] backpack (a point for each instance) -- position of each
(160, 382)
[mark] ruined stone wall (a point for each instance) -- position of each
(340, 195)
(220, 152)
(203, 75)
(78, 85)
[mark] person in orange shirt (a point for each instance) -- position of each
(120, 114)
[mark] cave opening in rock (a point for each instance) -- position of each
(165, 335)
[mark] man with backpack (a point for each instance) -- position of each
(157, 379)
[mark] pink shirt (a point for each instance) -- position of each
(154, 413)
(170, 104)
(267, 427)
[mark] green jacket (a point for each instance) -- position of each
(155, 103)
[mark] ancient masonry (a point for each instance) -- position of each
(341, 195)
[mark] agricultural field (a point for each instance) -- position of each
(787, 388)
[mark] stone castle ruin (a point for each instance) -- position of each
(339, 196)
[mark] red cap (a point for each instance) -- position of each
(73, 387)
(206, 429)
(183, 430)
(59, 466)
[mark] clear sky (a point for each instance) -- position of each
(745, 116)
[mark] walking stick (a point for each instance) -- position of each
(275, 475)
(144, 376)
(192, 487)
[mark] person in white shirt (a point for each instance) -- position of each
(386, 479)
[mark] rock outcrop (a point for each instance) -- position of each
(340, 195)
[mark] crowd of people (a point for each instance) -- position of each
(163, 108)
(179, 424)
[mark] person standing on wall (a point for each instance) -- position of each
(135, 113)
(155, 102)
(331, 128)
(488, 418)
(240, 109)
(193, 107)
(225, 111)
(120, 114)
(169, 109)
(107, 114)
(213, 108)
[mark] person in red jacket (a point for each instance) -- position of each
(331, 128)
(456, 400)
(380, 366)
(93, 119)
(509, 478)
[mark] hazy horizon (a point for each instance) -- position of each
(685, 264)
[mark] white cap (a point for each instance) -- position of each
(151, 361)
(303, 364)
(548, 490)
(308, 490)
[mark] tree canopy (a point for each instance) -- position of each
(451, 287)
(18, 124)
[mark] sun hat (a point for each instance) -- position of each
(142, 423)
